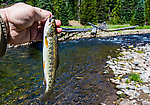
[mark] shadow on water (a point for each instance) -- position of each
(79, 78)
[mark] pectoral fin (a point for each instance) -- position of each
(46, 42)
(44, 82)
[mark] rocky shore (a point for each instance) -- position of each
(73, 36)
(132, 75)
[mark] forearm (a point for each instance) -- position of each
(3, 32)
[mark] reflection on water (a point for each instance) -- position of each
(79, 78)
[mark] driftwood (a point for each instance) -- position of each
(71, 30)
(108, 30)
(94, 29)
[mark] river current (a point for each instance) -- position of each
(79, 78)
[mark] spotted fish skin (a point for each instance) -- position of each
(50, 56)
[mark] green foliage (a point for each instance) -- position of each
(44, 4)
(94, 11)
(139, 15)
(128, 81)
(127, 10)
(147, 11)
(115, 20)
(115, 14)
(60, 11)
(135, 77)
(101, 10)
(88, 11)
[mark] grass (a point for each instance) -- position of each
(117, 26)
(143, 27)
(135, 77)
(111, 26)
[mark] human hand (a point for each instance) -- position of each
(25, 23)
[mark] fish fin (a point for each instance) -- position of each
(46, 96)
(44, 82)
(46, 42)
(43, 64)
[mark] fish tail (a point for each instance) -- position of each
(46, 96)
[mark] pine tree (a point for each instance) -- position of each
(127, 10)
(88, 11)
(60, 11)
(101, 11)
(45, 4)
(115, 19)
(147, 11)
(71, 7)
(139, 16)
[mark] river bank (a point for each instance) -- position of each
(73, 36)
(81, 35)
(132, 75)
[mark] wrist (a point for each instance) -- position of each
(3, 33)
(3, 15)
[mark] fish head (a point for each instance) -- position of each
(50, 27)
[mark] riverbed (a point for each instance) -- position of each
(79, 80)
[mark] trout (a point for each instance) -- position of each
(50, 56)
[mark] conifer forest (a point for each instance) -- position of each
(133, 12)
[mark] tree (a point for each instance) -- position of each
(60, 11)
(147, 11)
(127, 10)
(88, 11)
(115, 15)
(101, 11)
(139, 16)
(44, 4)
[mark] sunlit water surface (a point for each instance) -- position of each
(79, 78)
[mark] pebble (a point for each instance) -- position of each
(119, 92)
(145, 102)
(122, 86)
(145, 89)
(135, 60)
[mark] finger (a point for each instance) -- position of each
(40, 29)
(41, 15)
(58, 23)
(59, 29)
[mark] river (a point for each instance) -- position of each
(79, 78)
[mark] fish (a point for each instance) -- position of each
(50, 56)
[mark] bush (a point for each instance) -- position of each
(115, 21)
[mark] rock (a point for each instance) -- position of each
(135, 60)
(119, 92)
(136, 68)
(106, 72)
(127, 102)
(108, 57)
(117, 81)
(103, 104)
(145, 89)
(132, 93)
(136, 63)
(110, 63)
(145, 102)
(122, 86)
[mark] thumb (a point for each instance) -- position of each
(41, 15)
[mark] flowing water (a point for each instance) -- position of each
(79, 79)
